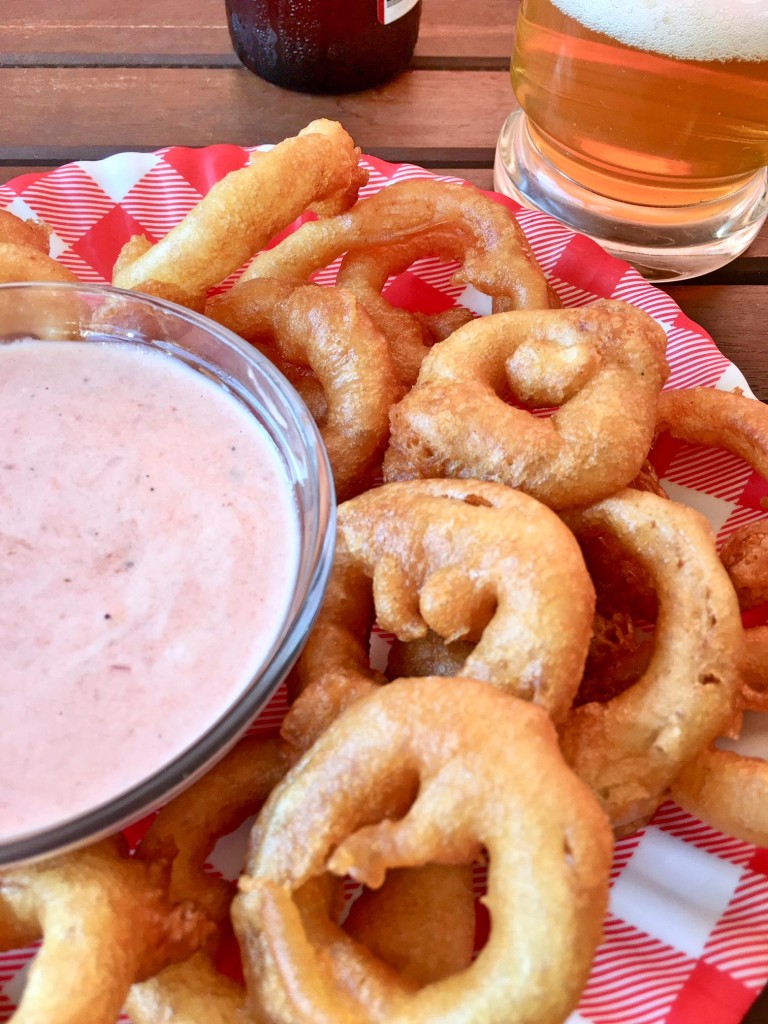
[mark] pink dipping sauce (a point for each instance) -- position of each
(149, 546)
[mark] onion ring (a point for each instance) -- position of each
(327, 331)
(244, 210)
(185, 831)
(192, 992)
(24, 252)
(475, 777)
(464, 223)
(603, 364)
(754, 690)
(745, 557)
(181, 838)
(365, 271)
(467, 559)
(727, 791)
(723, 419)
(631, 748)
(126, 929)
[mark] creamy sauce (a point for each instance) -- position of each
(148, 552)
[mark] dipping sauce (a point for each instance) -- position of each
(149, 545)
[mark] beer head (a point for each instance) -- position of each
(701, 30)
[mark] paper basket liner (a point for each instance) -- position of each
(686, 938)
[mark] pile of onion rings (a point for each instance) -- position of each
(567, 644)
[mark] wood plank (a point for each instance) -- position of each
(760, 245)
(10, 171)
(182, 28)
(99, 26)
(51, 115)
(736, 317)
(480, 176)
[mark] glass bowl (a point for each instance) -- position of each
(95, 314)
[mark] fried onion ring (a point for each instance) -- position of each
(186, 829)
(727, 791)
(181, 838)
(365, 271)
(105, 921)
(470, 561)
(631, 748)
(327, 331)
(24, 252)
(192, 992)
(754, 691)
(745, 557)
(466, 224)
(243, 211)
(603, 364)
(724, 419)
(470, 779)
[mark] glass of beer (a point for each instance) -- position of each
(644, 124)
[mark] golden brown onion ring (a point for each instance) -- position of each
(745, 557)
(186, 830)
(468, 226)
(181, 838)
(24, 257)
(428, 771)
(192, 992)
(24, 252)
(470, 561)
(244, 210)
(727, 791)
(603, 365)
(364, 271)
(754, 691)
(724, 419)
(105, 921)
(631, 748)
(326, 331)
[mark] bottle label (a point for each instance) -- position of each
(391, 10)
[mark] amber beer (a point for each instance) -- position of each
(659, 104)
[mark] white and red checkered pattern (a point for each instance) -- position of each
(686, 939)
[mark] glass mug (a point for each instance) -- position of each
(643, 123)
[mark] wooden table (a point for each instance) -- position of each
(81, 79)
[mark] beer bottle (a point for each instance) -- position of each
(324, 46)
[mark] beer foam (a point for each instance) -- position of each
(686, 29)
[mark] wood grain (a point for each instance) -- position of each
(10, 171)
(736, 317)
(99, 111)
(179, 29)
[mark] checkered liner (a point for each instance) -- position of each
(686, 938)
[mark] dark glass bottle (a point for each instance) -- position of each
(324, 46)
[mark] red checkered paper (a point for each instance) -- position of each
(686, 938)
